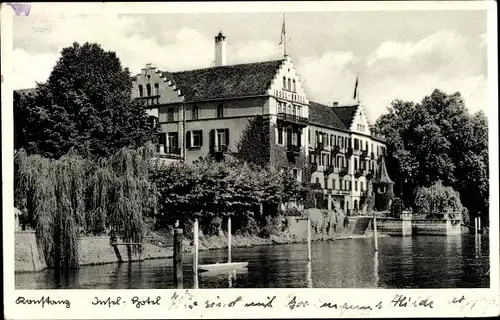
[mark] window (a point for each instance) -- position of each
(355, 163)
(309, 135)
(295, 173)
(289, 84)
(157, 89)
(148, 89)
(197, 139)
(334, 184)
(141, 90)
(341, 184)
(355, 186)
(294, 86)
(222, 139)
(220, 111)
(317, 180)
(280, 135)
(284, 83)
(170, 115)
(356, 144)
(194, 113)
(299, 111)
(173, 142)
(361, 186)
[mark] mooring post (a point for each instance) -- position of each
(475, 226)
(309, 238)
(479, 224)
(229, 239)
(375, 238)
(178, 277)
(195, 254)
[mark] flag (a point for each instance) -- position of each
(283, 32)
(356, 88)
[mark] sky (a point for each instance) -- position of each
(396, 54)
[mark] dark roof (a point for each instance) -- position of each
(382, 176)
(25, 91)
(231, 81)
(325, 116)
(346, 114)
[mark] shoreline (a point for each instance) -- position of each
(154, 252)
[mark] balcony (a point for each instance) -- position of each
(358, 173)
(313, 167)
(294, 119)
(364, 154)
(168, 152)
(218, 152)
(335, 150)
(319, 147)
(292, 152)
(349, 153)
(148, 101)
(343, 172)
(328, 170)
(372, 155)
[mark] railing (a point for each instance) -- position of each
(294, 149)
(293, 118)
(320, 146)
(364, 154)
(313, 167)
(150, 100)
(328, 170)
(168, 150)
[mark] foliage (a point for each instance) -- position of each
(209, 189)
(73, 196)
(437, 199)
(254, 144)
(397, 207)
(437, 139)
(85, 104)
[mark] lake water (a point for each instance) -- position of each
(409, 262)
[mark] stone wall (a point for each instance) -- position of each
(91, 251)
(27, 256)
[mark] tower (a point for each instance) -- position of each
(220, 50)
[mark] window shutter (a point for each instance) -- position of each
(201, 138)
(188, 139)
(212, 141)
(227, 138)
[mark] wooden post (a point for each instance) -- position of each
(229, 240)
(195, 254)
(178, 278)
(309, 238)
(375, 238)
(475, 225)
(479, 224)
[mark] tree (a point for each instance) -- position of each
(438, 140)
(85, 104)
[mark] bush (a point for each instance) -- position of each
(437, 199)
(397, 208)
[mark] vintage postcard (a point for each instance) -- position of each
(250, 159)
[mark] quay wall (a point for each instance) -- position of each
(91, 251)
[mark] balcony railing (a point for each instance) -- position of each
(150, 100)
(292, 118)
(328, 170)
(319, 146)
(293, 149)
(364, 154)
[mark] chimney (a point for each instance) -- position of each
(335, 104)
(220, 50)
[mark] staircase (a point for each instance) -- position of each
(361, 225)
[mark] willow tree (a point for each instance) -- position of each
(72, 196)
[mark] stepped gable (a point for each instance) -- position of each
(241, 80)
(346, 113)
(326, 116)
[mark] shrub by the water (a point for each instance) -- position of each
(437, 199)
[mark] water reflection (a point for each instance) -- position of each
(401, 262)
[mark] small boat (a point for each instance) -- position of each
(222, 267)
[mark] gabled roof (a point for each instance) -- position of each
(325, 116)
(346, 113)
(382, 176)
(231, 81)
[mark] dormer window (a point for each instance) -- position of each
(141, 90)
(148, 90)
(157, 89)
(289, 84)
(294, 86)
(284, 83)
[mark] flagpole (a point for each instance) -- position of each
(284, 35)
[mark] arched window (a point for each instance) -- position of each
(284, 83)
(294, 86)
(148, 89)
(157, 89)
(194, 114)
(356, 205)
(289, 84)
(141, 90)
